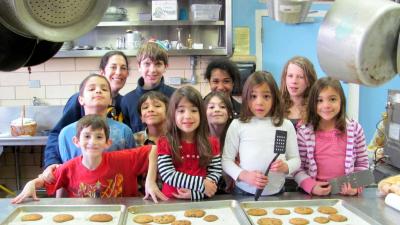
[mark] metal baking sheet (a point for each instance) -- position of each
(81, 214)
(354, 216)
(228, 212)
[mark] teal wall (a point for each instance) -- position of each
(282, 41)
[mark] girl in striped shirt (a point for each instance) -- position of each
(189, 160)
(330, 145)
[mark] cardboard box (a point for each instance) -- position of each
(164, 10)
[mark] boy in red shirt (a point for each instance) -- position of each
(99, 174)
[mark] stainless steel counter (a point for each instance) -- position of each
(368, 203)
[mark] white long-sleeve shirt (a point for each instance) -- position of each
(254, 142)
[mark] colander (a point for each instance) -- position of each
(52, 20)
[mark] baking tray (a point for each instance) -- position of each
(81, 214)
(228, 212)
(354, 216)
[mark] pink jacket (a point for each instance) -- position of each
(356, 154)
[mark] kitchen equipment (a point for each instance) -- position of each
(115, 14)
(15, 49)
(354, 215)
(52, 20)
(43, 51)
(288, 11)
(357, 41)
(356, 180)
(279, 148)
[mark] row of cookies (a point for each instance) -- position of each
(61, 218)
(168, 218)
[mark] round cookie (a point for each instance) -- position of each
(337, 218)
(164, 219)
(102, 217)
(269, 221)
(321, 219)
(303, 210)
(299, 221)
(31, 217)
(257, 212)
(197, 213)
(61, 218)
(181, 222)
(281, 211)
(210, 218)
(327, 210)
(142, 219)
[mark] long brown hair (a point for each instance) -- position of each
(312, 116)
(202, 132)
(255, 79)
(229, 109)
(310, 77)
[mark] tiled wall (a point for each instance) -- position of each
(60, 78)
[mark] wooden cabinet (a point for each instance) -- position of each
(216, 36)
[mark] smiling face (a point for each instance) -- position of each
(153, 112)
(328, 106)
(96, 93)
(296, 82)
(152, 72)
(92, 142)
(260, 103)
(217, 112)
(221, 81)
(116, 72)
(187, 118)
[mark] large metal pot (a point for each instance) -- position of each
(43, 51)
(52, 20)
(357, 41)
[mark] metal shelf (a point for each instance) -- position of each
(161, 23)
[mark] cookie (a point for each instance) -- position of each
(269, 221)
(281, 211)
(327, 210)
(31, 217)
(210, 218)
(337, 218)
(102, 217)
(164, 219)
(143, 219)
(198, 213)
(303, 210)
(181, 222)
(299, 221)
(61, 218)
(257, 212)
(321, 219)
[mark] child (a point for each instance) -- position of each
(95, 97)
(219, 115)
(298, 76)
(153, 111)
(189, 161)
(252, 137)
(96, 173)
(223, 75)
(113, 66)
(329, 144)
(152, 63)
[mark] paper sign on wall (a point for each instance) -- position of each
(242, 40)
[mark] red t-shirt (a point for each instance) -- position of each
(190, 160)
(116, 176)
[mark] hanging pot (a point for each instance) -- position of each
(52, 20)
(357, 41)
(15, 50)
(43, 51)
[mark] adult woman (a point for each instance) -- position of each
(222, 75)
(114, 66)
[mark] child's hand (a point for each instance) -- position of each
(346, 189)
(154, 192)
(321, 188)
(47, 174)
(183, 193)
(28, 191)
(255, 178)
(280, 166)
(210, 187)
